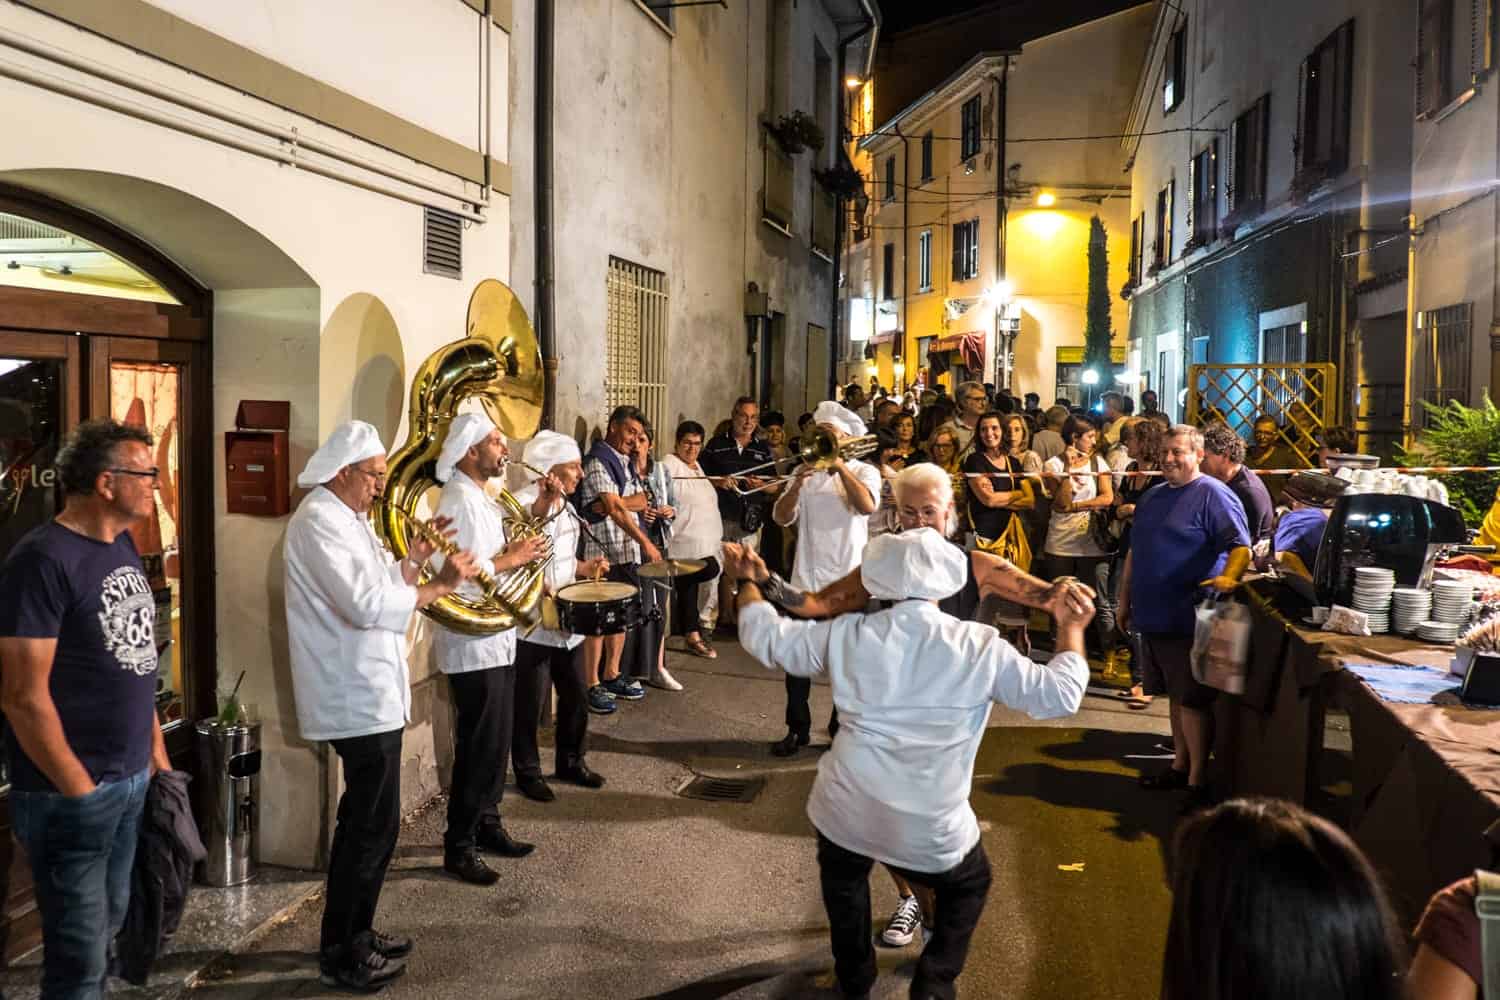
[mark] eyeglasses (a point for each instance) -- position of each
(151, 473)
(376, 476)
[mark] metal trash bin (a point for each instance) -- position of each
(229, 790)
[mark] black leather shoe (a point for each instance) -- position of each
(359, 967)
(470, 867)
(535, 788)
(390, 945)
(580, 774)
(495, 840)
(789, 744)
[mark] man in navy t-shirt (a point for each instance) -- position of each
(78, 689)
(1224, 459)
(1188, 533)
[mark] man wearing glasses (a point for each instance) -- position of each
(78, 654)
(972, 402)
(348, 606)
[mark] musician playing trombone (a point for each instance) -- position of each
(832, 508)
(480, 669)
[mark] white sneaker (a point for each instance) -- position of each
(665, 681)
(904, 923)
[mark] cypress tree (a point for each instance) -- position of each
(1097, 331)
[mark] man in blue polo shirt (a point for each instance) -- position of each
(78, 688)
(1188, 534)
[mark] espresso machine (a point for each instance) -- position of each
(1392, 530)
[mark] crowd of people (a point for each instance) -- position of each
(906, 556)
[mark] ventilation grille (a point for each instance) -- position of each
(721, 789)
(442, 243)
(14, 227)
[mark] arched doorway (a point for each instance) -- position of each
(94, 322)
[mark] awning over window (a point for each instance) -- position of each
(969, 345)
(1074, 355)
(885, 337)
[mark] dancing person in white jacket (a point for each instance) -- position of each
(913, 687)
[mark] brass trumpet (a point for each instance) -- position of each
(819, 448)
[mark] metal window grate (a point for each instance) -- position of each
(442, 243)
(710, 789)
(636, 340)
(1442, 359)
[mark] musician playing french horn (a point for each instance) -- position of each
(348, 606)
(480, 668)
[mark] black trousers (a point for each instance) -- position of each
(484, 702)
(364, 836)
(685, 597)
(798, 712)
(960, 893)
(533, 663)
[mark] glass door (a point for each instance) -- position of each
(39, 404)
(149, 383)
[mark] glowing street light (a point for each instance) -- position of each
(1090, 377)
(853, 82)
(1046, 199)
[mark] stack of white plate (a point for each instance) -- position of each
(1410, 607)
(1372, 595)
(1439, 632)
(1452, 601)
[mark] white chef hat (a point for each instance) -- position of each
(467, 430)
(840, 416)
(918, 563)
(352, 441)
(547, 449)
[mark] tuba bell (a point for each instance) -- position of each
(498, 364)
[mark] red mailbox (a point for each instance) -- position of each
(256, 459)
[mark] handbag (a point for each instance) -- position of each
(1012, 545)
(1102, 524)
(1221, 645)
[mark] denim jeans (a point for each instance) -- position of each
(81, 852)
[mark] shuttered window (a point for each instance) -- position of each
(1455, 47)
(969, 122)
(1174, 74)
(1245, 175)
(1161, 247)
(1203, 183)
(1324, 105)
(966, 250)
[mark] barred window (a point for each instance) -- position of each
(636, 341)
(1442, 358)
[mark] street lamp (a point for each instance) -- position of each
(1090, 378)
(1046, 199)
(898, 369)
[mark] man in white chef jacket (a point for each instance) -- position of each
(831, 508)
(545, 652)
(480, 669)
(914, 687)
(348, 606)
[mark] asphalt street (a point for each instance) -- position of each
(635, 892)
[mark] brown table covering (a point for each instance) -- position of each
(1426, 795)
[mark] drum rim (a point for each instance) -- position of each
(631, 590)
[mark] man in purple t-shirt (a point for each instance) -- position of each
(78, 689)
(1188, 534)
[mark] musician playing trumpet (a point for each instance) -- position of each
(480, 668)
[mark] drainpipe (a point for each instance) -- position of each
(905, 239)
(543, 194)
(840, 208)
(1003, 340)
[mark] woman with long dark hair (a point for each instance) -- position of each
(1143, 443)
(1270, 901)
(998, 492)
(1080, 484)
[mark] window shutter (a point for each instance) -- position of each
(1231, 161)
(1192, 196)
(1479, 37)
(958, 252)
(1343, 97)
(1256, 177)
(1213, 188)
(1432, 70)
(1301, 139)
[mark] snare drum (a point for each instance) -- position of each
(598, 607)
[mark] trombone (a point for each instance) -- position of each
(820, 448)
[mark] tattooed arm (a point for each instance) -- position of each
(999, 577)
(847, 594)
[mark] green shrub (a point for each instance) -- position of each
(1461, 435)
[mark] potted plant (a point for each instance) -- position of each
(796, 132)
(841, 181)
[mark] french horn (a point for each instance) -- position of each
(497, 363)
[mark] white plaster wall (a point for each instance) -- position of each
(659, 161)
(231, 219)
(418, 59)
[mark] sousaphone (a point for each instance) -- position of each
(498, 364)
